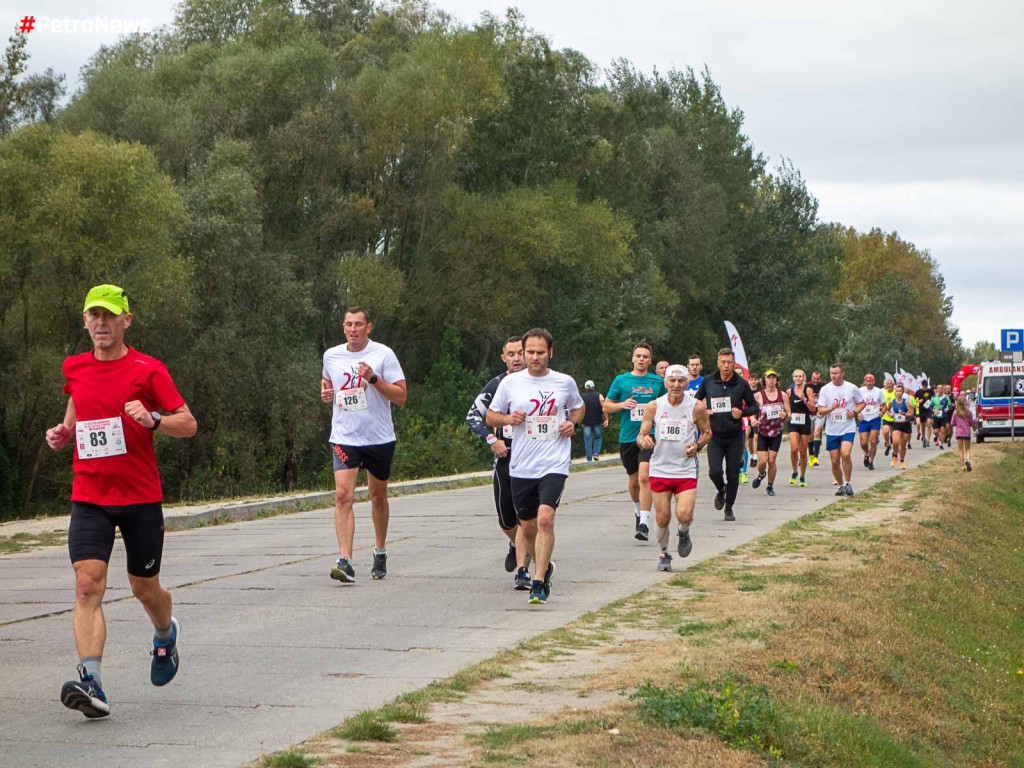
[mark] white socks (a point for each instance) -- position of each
(636, 508)
(645, 517)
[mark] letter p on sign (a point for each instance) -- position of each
(1013, 340)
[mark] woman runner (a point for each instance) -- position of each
(774, 410)
(902, 421)
(802, 403)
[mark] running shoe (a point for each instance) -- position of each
(743, 478)
(537, 595)
(871, 465)
(840, 491)
(812, 461)
(547, 577)
(753, 461)
(636, 527)
(720, 500)
(866, 461)
(510, 558)
(522, 580)
(757, 481)
(769, 490)
(888, 448)
(85, 695)
(895, 461)
(792, 480)
(380, 565)
(910, 446)
(685, 544)
(969, 467)
(849, 490)
(903, 465)
(642, 533)
(803, 483)
(343, 571)
(941, 446)
(664, 562)
(164, 666)
(729, 516)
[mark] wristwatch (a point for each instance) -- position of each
(576, 424)
(157, 418)
(373, 379)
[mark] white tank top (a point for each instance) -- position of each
(673, 429)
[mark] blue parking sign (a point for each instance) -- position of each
(1012, 340)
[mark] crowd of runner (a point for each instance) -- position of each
(527, 416)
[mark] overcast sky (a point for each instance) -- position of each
(905, 116)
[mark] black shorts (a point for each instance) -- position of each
(632, 455)
(902, 426)
(528, 494)
(91, 535)
(376, 459)
(769, 443)
(807, 428)
(939, 423)
(507, 517)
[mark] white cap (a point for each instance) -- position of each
(588, 384)
(676, 371)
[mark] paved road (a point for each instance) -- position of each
(273, 651)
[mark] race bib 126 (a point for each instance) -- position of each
(352, 399)
(99, 438)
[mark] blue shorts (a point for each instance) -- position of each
(870, 426)
(832, 442)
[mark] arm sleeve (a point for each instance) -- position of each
(165, 394)
(475, 418)
(858, 396)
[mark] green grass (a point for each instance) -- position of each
(366, 726)
(505, 736)
(290, 759)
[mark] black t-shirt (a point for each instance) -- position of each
(924, 398)
(593, 415)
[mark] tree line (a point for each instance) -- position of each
(259, 165)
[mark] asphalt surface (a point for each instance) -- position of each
(274, 651)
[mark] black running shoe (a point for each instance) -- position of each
(642, 533)
(636, 523)
(85, 695)
(510, 558)
(343, 571)
(968, 466)
(841, 490)
(522, 581)
(887, 449)
(757, 482)
(871, 465)
(685, 545)
(770, 490)
(720, 500)
(729, 516)
(753, 461)
(537, 593)
(164, 666)
(866, 461)
(548, 574)
(380, 565)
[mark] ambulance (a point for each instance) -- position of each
(993, 405)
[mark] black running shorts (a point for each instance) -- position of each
(632, 455)
(528, 494)
(91, 535)
(769, 443)
(507, 517)
(807, 428)
(376, 459)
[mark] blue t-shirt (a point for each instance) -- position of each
(643, 389)
(694, 385)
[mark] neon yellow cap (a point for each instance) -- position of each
(110, 297)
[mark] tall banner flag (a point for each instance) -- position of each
(737, 350)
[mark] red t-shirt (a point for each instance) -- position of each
(100, 389)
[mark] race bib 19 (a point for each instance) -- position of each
(670, 429)
(99, 438)
(542, 427)
(352, 399)
(721, 405)
(838, 416)
(798, 418)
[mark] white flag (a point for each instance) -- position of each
(737, 349)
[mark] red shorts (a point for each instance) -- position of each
(673, 484)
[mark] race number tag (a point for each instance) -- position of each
(798, 418)
(99, 438)
(870, 413)
(899, 418)
(839, 416)
(636, 414)
(670, 429)
(721, 405)
(542, 427)
(506, 431)
(352, 399)
(772, 412)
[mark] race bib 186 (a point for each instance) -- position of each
(352, 399)
(542, 427)
(99, 438)
(721, 405)
(670, 429)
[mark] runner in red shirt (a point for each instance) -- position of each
(116, 396)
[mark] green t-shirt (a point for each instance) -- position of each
(643, 389)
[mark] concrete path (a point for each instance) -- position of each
(273, 651)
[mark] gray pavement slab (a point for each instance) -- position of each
(273, 651)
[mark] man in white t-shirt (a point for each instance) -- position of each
(871, 419)
(535, 402)
(839, 403)
(362, 379)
